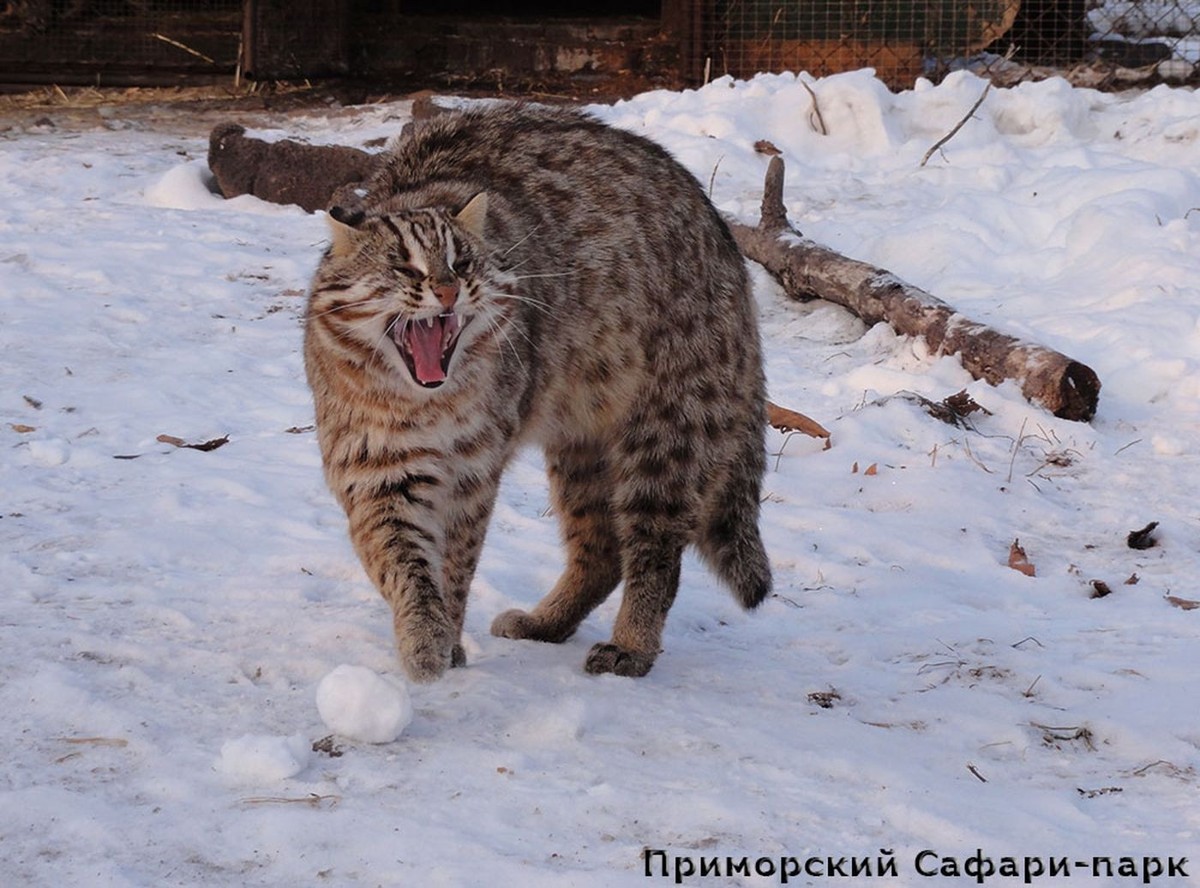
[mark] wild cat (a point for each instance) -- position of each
(529, 275)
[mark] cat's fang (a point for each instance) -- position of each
(450, 330)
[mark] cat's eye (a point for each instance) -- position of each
(410, 271)
(461, 264)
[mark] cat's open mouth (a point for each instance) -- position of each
(427, 345)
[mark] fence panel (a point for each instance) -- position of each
(1098, 41)
(117, 41)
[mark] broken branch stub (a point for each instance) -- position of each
(1067, 388)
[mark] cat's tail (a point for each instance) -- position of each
(730, 543)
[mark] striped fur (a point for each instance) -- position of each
(598, 308)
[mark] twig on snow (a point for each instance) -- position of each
(950, 135)
(815, 114)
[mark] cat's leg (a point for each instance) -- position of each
(473, 499)
(655, 504)
(399, 543)
(652, 560)
(581, 493)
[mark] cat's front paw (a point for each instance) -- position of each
(611, 658)
(426, 648)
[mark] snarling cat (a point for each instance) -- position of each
(520, 275)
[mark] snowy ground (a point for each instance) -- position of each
(169, 613)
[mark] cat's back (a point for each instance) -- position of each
(555, 163)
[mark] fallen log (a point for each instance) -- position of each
(284, 172)
(805, 269)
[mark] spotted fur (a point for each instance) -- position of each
(591, 302)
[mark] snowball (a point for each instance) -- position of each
(262, 758)
(359, 704)
(49, 453)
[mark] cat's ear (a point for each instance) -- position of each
(343, 225)
(472, 216)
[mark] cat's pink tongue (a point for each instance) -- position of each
(425, 346)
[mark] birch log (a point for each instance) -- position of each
(1065, 387)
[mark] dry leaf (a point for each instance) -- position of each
(327, 746)
(790, 421)
(1093, 793)
(1133, 580)
(963, 404)
(854, 469)
(32, 402)
(872, 469)
(205, 446)
(1018, 561)
(1100, 589)
(824, 699)
(762, 146)
(953, 410)
(1183, 603)
(21, 429)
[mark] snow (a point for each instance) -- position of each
(258, 758)
(360, 704)
(170, 613)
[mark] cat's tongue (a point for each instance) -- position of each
(428, 345)
(424, 342)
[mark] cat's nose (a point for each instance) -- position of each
(447, 294)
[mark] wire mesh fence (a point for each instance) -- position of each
(1095, 41)
(98, 41)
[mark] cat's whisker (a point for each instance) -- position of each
(504, 337)
(389, 331)
(539, 304)
(530, 234)
(547, 274)
(512, 268)
(524, 261)
(336, 309)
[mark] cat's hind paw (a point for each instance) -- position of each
(607, 657)
(514, 624)
(522, 625)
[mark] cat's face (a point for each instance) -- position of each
(408, 288)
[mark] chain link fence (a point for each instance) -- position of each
(1093, 42)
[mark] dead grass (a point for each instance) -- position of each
(47, 98)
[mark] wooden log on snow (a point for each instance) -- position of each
(1065, 387)
(284, 172)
